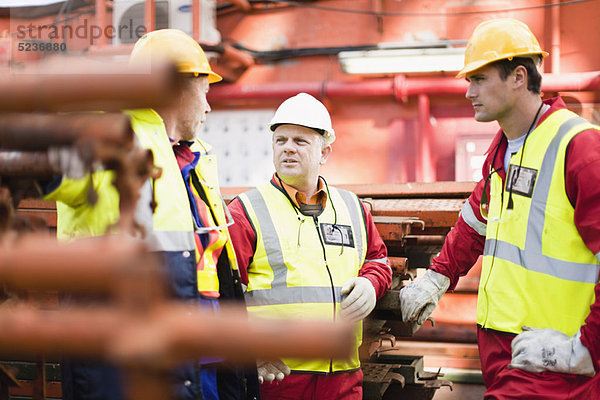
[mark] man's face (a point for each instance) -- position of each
(193, 107)
(489, 94)
(298, 153)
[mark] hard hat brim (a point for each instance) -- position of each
(214, 77)
(482, 63)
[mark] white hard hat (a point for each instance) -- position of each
(304, 110)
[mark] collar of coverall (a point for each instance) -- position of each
(320, 196)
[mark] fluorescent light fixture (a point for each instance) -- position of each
(399, 61)
(28, 3)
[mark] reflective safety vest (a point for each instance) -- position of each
(301, 263)
(76, 217)
(537, 271)
(171, 227)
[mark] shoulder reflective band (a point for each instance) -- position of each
(355, 216)
(469, 217)
(270, 239)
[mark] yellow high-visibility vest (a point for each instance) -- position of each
(537, 271)
(301, 263)
(170, 227)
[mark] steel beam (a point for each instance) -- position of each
(433, 212)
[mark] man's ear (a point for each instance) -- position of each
(519, 76)
(325, 152)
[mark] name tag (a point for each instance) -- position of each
(337, 235)
(522, 182)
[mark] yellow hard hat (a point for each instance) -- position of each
(175, 46)
(498, 39)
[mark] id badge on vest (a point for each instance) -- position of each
(522, 181)
(337, 235)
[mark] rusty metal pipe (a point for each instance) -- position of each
(33, 132)
(187, 332)
(166, 336)
(31, 332)
(93, 265)
(32, 164)
(426, 240)
(80, 88)
(399, 265)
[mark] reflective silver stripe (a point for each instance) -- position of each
(469, 217)
(170, 240)
(291, 295)
(383, 260)
(531, 256)
(578, 272)
(270, 238)
(598, 256)
(537, 212)
(160, 240)
(356, 217)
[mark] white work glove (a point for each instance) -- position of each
(360, 299)
(419, 298)
(537, 350)
(67, 161)
(268, 371)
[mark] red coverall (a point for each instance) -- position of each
(464, 245)
(345, 385)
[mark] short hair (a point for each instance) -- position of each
(534, 78)
(322, 138)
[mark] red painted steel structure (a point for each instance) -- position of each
(427, 171)
(101, 20)
(196, 20)
(400, 87)
(149, 15)
(284, 28)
